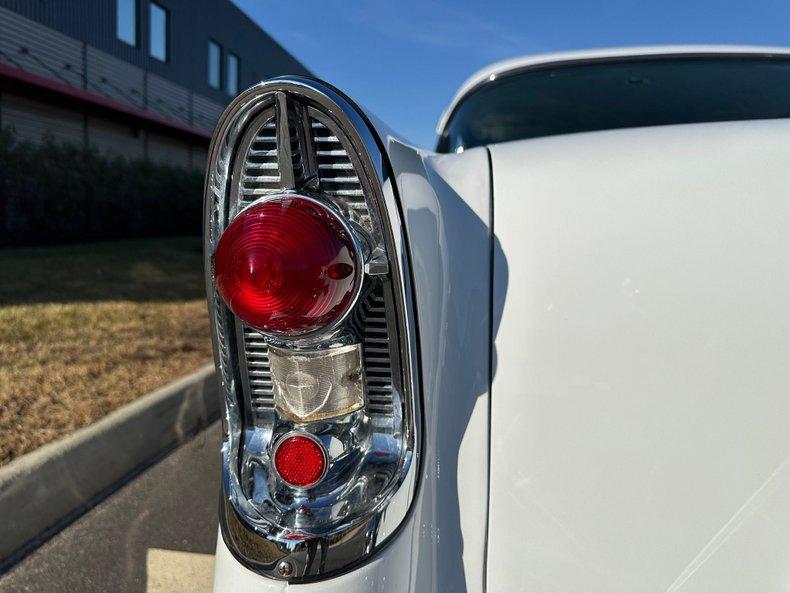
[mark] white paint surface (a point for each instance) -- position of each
(641, 401)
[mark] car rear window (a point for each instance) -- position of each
(607, 95)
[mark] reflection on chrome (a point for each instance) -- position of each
(351, 387)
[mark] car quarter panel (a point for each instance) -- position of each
(640, 407)
(445, 203)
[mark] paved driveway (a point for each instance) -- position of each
(156, 534)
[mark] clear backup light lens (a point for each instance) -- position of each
(314, 385)
(288, 266)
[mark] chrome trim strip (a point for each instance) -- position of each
(287, 178)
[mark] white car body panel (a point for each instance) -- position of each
(441, 546)
(641, 395)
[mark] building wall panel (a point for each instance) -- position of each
(205, 112)
(40, 50)
(192, 23)
(169, 151)
(33, 119)
(114, 78)
(168, 99)
(116, 139)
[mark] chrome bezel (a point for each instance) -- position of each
(319, 334)
(256, 546)
(312, 437)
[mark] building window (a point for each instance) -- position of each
(159, 39)
(126, 21)
(232, 76)
(214, 64)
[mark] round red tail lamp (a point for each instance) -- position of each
(288, 266)
(300, 460)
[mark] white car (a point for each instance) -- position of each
(551, 356)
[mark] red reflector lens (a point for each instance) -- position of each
(300, 461)
(287, 266)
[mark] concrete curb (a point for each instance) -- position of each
(42, 489)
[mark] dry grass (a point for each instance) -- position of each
(87, 328)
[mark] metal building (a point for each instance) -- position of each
(138, 78)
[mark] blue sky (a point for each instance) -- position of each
(404, 59)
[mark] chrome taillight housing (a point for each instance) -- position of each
(312, 322)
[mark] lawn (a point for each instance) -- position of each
(87, 328)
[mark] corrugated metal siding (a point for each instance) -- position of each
(43, 51)
(193, 22)
(166, 150)
(112, 138)
(33, 119)
(168, 99)
(40, 50)
(205, 112)
(91, 21)
(114, 78)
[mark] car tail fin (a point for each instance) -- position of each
(313, 329)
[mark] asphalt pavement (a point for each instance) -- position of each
(156, 534)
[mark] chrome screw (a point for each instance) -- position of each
(285, 569)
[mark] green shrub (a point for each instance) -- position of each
(52, 192)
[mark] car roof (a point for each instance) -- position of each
(494, 71)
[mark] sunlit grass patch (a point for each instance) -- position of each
(85, 329)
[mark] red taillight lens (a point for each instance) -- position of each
(287, 266)
(300, 461)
